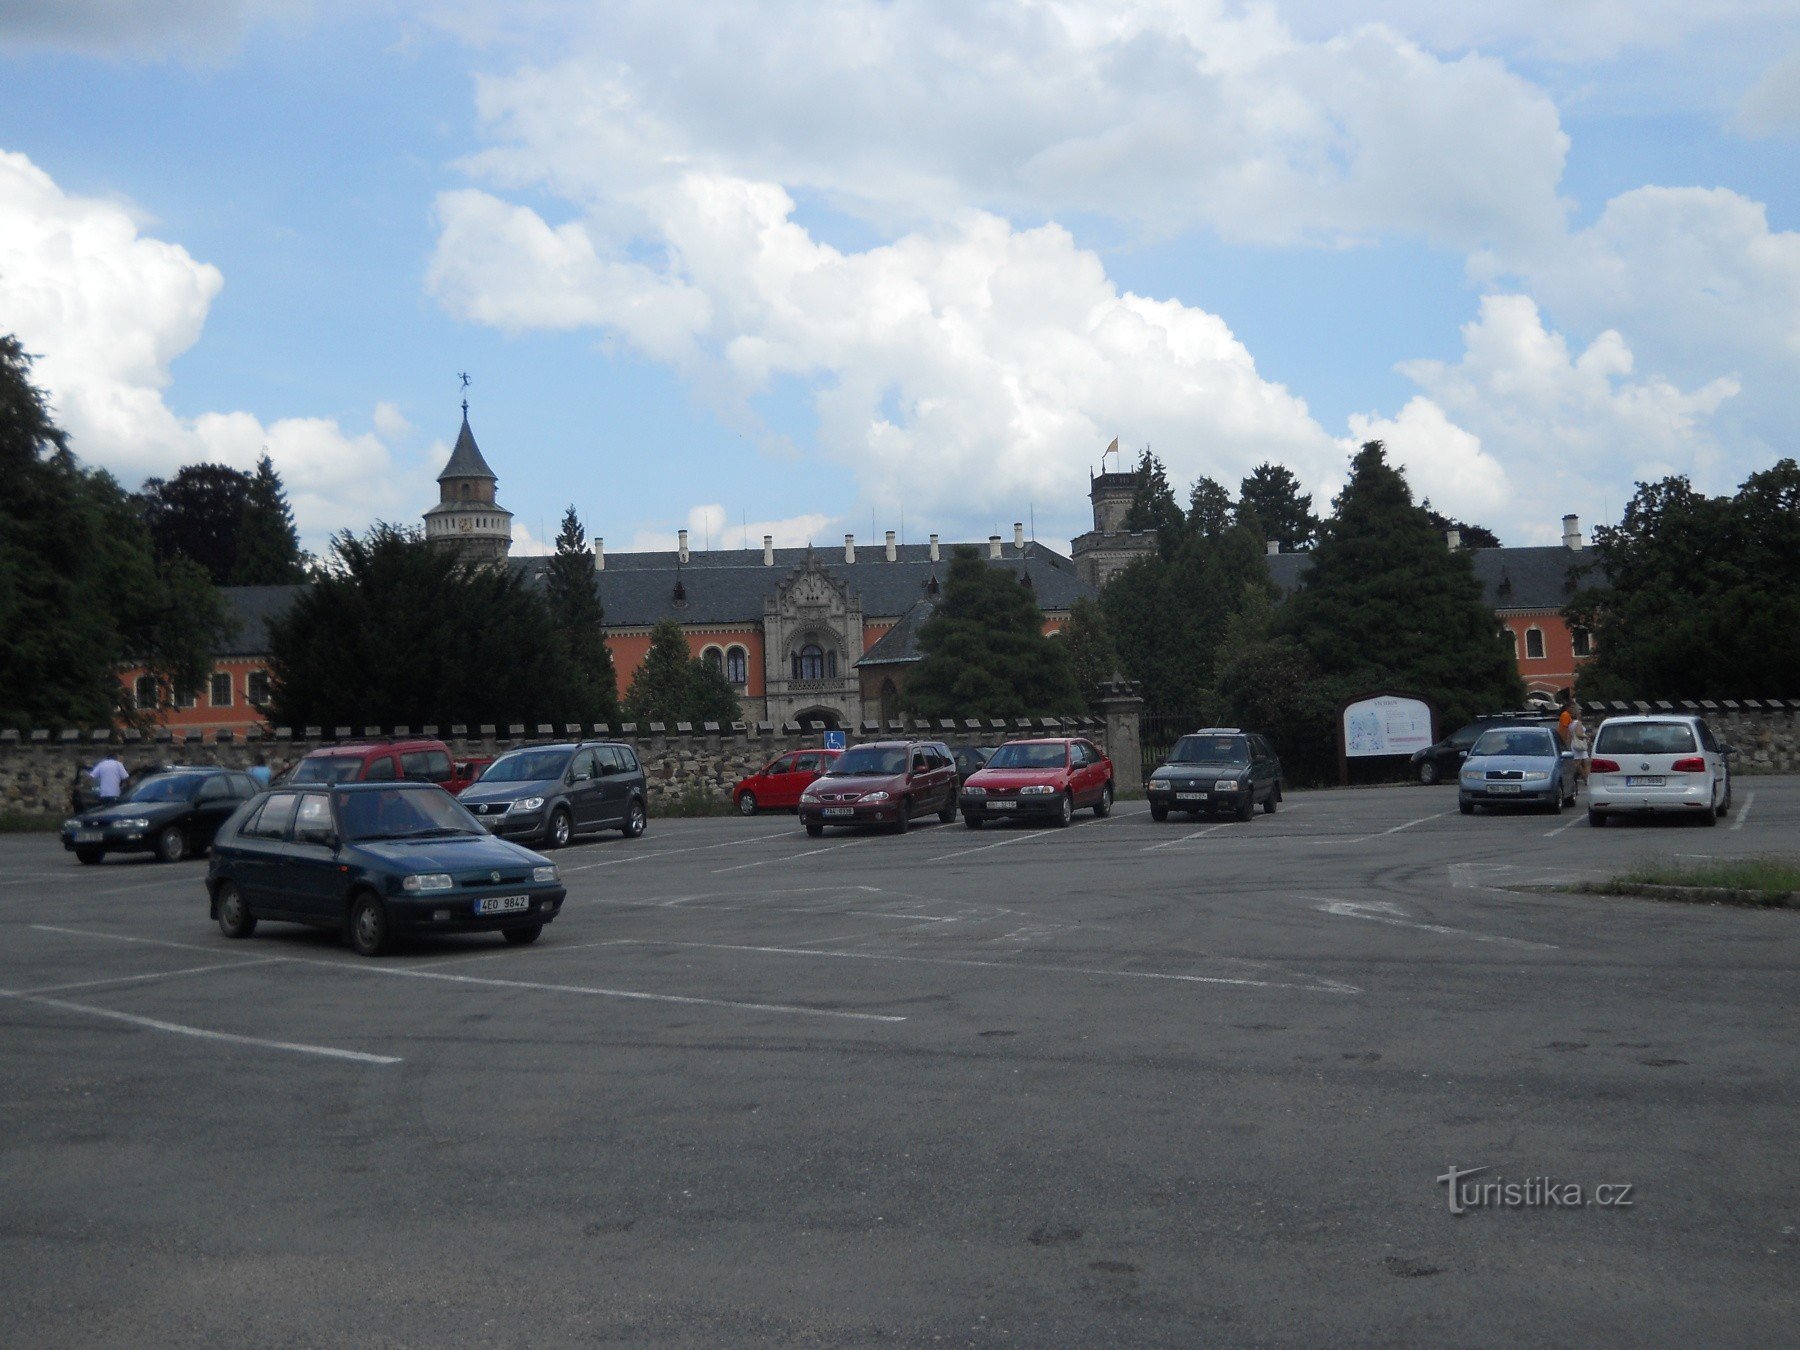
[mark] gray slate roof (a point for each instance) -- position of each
(729, 585)
(1511, 578)
(465, 459)
(899, 646)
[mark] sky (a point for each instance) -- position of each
(809, 269)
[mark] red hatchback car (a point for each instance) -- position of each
(778, 784)
(418, 760)
(1050, 778)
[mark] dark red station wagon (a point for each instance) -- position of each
(778, 784)
(418, 760)
(1050, 778)
(882, 783)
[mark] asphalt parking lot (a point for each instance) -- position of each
(1124, 1082)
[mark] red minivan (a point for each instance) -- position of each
(417, 760)
(778, 784)
(1048, 778)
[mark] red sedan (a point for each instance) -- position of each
(1049, 778)
(778, 784)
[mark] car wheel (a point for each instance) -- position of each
(815, 828)
(636, 820)
(560, 829)
(1065, 810)
(973, 822)
(235, 918)
(1247, 805)
(523, 936)
(171, 845)
(1428, 772)
(1556, 802)
(1709, 816)
(948, 813)
(90, 856)
(746, 803)
(1159, 813)
(1596, 818)
(903, 817)
(1466, 807)
(1270, 801)
(1103, 807)
(370, 934)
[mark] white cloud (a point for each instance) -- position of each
(710, 526)
(107, 310)
(1572, 428)
(1771, 106)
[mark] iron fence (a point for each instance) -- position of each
(1158, 732)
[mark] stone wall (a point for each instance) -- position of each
(1764, 734)
(38, 769)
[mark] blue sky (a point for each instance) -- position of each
(810, 270)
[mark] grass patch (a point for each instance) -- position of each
(29, 822)
(1761, 880)
(695, 801)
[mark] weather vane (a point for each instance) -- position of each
(463, 375)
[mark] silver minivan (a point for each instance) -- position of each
(1659, 762)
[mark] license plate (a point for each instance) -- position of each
(1190, 796)
(503, 904)
(89, 836)
(1503, 787)
(839, 811)
(1002, 806)
(1653, 781)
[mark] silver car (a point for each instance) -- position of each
(1661, 762)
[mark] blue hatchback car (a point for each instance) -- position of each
(375, 860)
(1515, 766)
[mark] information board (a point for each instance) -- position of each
(1388, 724)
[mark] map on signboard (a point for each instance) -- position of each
(1386, 725)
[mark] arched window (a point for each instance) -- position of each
(465, 491)
(737, 666)
(1534, 644)
(1583, 641)
(1512, 640)
(143, 693)
(714, 658)
(809, 663)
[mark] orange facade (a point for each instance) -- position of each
(1544, 647)
(224, 703)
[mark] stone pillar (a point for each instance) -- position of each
(1121, 706)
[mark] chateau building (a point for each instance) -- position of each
(827, 635)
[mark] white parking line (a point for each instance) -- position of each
(1320, 984)
(1382, 911)
(1170, 843)
(1743, 811)
(1566, 825)
(789, 857)
(671, 852)
(1379, 834)
(202, 1033)
(359, 967)
(1050, 833)
(153, 975)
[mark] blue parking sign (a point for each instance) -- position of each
(836, 740)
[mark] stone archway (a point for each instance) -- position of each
(832, 719)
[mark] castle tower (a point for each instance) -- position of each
(1109, 548)
(467, 518)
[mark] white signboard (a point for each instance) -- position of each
(1388, 725)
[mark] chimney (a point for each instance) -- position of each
(681, 548)
(849, 548)
(993, 546)
(934, 548)
(768, 550)
(599, 554)
(1019, 535)
(1454, 539)
(1272, 547)
(1572, 532)
(891, 551)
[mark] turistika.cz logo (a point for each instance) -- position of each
(1496, 1192)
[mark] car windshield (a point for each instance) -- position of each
(1646, 738)
(1023, 756)
(1537, 741)
(327, 769)
(869, 759)
(1211, 750)
(527, 766)
(167, 787)
(401, 813)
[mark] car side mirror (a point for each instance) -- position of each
(1462, 754)
(1568, 754)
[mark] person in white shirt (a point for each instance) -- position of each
(109, 776)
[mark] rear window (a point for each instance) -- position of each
(327, 769)
(1645, 738)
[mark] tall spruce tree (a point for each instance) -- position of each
(1209, 508)
(1153, 505)
(397, 631)
(984, 652)
(268, 545)
(574, 599)
(1387, 604)
(81, 591)
(1093, 659)
(1270, 502)
(672, 686)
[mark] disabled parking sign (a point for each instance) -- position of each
(836, 740)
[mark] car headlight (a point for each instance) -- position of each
(974, 790)
(71, 824)
(546, 873)
(1036, 790)
(427, 881)
(1225, 785)
(528, 804)
(1536, 776)
(874, 797)
(1472, 777)
(135, 823)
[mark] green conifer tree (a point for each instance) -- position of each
(580, 619)
(268, 546)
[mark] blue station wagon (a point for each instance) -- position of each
(375, 861)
